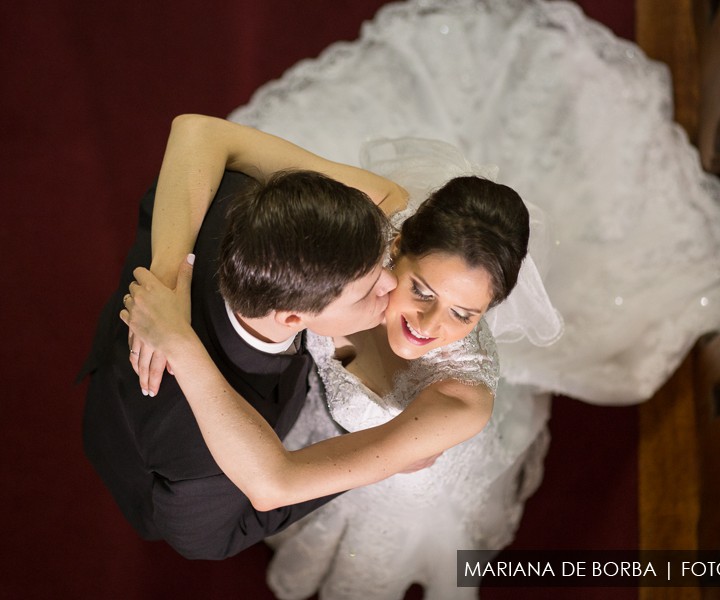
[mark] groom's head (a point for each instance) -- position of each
(305, 245)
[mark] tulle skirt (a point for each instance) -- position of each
(579, 123)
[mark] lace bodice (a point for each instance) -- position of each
(472, 360)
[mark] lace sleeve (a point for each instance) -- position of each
(472, 360)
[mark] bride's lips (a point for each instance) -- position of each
(411, 337)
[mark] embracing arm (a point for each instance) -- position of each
(199, 150)
(252, 456)
(249, 452)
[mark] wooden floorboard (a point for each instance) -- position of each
(668, 455)
(665, 30)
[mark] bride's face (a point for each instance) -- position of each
(438, 300)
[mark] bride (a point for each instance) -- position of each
(409, 390)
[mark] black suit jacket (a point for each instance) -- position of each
(149, 451)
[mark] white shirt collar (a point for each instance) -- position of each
(269, 347)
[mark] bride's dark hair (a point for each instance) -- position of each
(485, 223)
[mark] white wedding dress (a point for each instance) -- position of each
(579, 123)
(375, 541)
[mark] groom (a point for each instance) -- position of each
(300, 251)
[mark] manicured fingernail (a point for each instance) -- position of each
(145, 392)
(151, 394)
(191, 259)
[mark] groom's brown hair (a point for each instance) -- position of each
(295, 242)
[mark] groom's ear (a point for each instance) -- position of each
(292, 320)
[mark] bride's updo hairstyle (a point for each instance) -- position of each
(485, 223)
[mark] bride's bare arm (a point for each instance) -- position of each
(249, 452)
(200, 148)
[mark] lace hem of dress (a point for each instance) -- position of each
(559, 13)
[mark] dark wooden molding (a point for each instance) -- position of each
(679, 445)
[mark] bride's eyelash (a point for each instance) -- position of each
(461, 318)
(418, 293)
(426, 297)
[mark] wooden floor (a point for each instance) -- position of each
(679, 446)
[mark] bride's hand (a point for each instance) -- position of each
(156, 316)
(149, 364)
